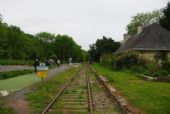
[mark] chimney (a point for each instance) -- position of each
(125, 38)
(140, 28)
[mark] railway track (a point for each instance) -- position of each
(83, 94)
(74, 98)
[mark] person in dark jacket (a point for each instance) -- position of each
(36, 63)
(47, 63)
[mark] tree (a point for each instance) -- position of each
(103, 46)
(45, 37)
(143, 19)
(165, 20)
(65, 47)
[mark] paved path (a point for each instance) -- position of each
(4, 68)
(16, 99)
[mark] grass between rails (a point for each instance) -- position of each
(150, 97)
(10, 74)
(44, 93)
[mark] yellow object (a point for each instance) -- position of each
(42, 74)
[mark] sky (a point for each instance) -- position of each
(84, 20)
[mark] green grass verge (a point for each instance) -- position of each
(150, 97)
(10, 74)
(15, 62)
(44, 93)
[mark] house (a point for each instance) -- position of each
(147, 42)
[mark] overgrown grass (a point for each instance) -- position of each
(150, 97)
(11, 74)
(15, 62)
(44, 93)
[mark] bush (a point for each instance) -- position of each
(138, 69)
(160, 73)
(106, 59)
(156, 74)
(126, 60)
(166, 65)
(163, 73)
(151, 67)
(146, 73)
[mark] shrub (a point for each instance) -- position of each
(128, 59)
(147, 73)
(163, 73)
(160, 73)
(106, 59)
(151, 67)
(138, 69)
(166, 65)
(156, 74)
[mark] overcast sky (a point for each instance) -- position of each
(84, 20)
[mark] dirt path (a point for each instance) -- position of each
(4, 68)
(16, 99)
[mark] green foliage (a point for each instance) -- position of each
(45, 37)
(65, 47)
(17, 45)
(143, 19)
(103, 46)
(165, 20)
(166, 65)
(138, 69)
(127, 60)
(160, 73)
(106, 59)
(151, 67)
(10, 74)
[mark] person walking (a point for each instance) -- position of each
(58, 63)
(36, 63)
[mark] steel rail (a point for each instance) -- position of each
(59, 94)
(90, 101)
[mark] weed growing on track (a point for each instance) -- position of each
(44, 92)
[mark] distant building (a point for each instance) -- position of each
(148, 42)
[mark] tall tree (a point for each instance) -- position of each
(165, 20)
(143, 19)
(103, 46)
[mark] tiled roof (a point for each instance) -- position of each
(152, 38)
